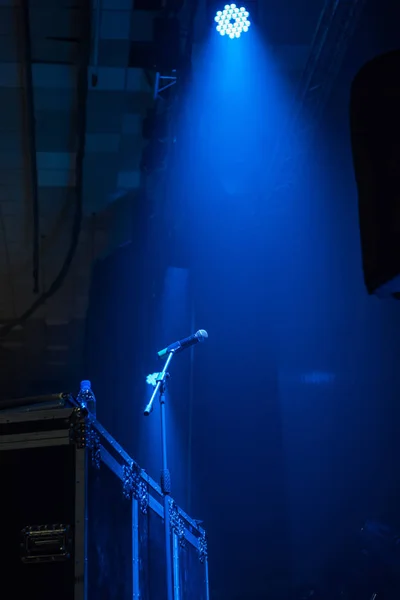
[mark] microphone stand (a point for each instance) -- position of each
(165, 474)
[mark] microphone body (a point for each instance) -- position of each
(199, 336)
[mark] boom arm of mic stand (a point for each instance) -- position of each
(160, 381)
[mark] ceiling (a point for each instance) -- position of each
(41, 104)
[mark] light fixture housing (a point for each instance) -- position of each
(232, 21)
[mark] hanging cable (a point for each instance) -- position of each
(8, 263)
(82, 91)
(30, 130)
(96, 27)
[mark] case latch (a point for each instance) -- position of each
(46, 543)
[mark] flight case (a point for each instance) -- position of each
(80, 520)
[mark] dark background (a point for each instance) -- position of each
(294, 413)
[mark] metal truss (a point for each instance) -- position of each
(335, 27)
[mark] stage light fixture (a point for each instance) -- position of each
(232, 21)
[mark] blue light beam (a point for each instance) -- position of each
(232, 21)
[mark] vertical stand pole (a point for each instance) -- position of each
(165, 474)
(166, 490)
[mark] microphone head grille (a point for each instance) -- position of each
(201, 335)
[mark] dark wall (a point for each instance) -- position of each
(119, 341)
(139, 303)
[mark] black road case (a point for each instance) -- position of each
(81, 521)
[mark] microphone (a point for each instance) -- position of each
(199, 336)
